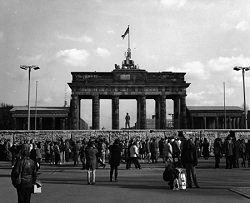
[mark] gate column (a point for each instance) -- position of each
(143, 123)
(163, 120)
(183, 119)
(176, 113)
(95, 112)
(115, 112)
(157, 112)
(138, 122)
(74, 112)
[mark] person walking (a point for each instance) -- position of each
(27, 168)
(134, 152)
(189, 159)
(91, 162)
(114, 159)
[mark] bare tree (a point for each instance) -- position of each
(6, 121)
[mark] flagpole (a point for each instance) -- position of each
(128, 38)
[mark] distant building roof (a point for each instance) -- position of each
(20, 111)
(214, 108)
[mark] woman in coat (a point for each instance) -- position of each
(114, 159)
(91, 162)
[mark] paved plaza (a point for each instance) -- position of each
(67, 184)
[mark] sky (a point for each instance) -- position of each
(204, 39)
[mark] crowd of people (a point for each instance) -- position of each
(143, 150)
(97, 152)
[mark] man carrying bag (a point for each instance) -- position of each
(23, 175)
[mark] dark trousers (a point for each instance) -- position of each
(135, 162)
(190, 170)
(24, 195)
(112, 169)
(229, 161)
(217, 160)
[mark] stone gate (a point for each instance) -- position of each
(130, 82)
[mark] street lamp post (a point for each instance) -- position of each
(24, 67)
(243, 69)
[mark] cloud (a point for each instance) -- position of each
(83, 38)
(173, 3)
(46, 101)
(242, 26)
(74, 57)
(110, 31)
(1, 36)
(222, 64)
(102, 52)
(194, 69)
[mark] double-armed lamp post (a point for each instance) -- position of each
(24, 67)
(243, 69)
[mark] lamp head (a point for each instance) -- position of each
(247, 68)
(36, 68)
(23, 67)
(237, 68)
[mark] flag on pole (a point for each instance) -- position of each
(126, 32)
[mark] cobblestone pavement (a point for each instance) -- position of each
(67, 183)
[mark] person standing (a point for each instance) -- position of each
(189, 159)
(127, 121)
(91, 162)
(161, 148)
(76, 153)
(205, 149)
(33, 154)
(38, 156)
(114, 159)
(217, 152)
(176, 149)
(236, 153)
(168, 151)
(228, 148)
(154, 150)
(243, 152)
(147, 150)
(15, 152)
(62, 151)
(57, 153)
(27, 168)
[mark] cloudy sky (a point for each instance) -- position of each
(205, 39)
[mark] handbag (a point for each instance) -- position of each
(37, 187)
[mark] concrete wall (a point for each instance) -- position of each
(55, 135)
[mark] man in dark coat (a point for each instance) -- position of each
(114, 159)
(189, 160)
(27, 168)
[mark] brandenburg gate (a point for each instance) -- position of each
(130, 82)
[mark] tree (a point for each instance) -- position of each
(6, 121)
